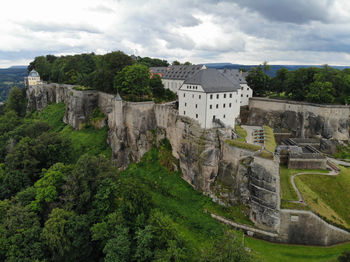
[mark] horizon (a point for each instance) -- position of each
(227, 63)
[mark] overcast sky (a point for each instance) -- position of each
(200, 31)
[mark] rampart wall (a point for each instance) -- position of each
(304, 227)
(302, 119)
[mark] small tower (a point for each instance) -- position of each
(32, 79)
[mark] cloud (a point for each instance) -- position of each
(101, 9)
(238, 31)
(60, 27)
(296, 11)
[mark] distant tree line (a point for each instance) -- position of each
(325, 85)
(109, 73)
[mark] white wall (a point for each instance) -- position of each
(200, 106)
(220, 107)
(246, 93)
(32, 81)
(192, 103)
(173, 85)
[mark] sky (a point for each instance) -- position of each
(199, 31)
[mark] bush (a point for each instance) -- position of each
(344, 257)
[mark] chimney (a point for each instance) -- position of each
(241, 72)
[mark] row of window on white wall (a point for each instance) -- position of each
(211, 96)
(217, 105)
(224, 116)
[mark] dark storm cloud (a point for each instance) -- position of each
(291, 11)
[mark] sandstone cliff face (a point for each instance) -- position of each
(41, 96)
(264, 188)
(133, 134)
(79, 106)
(225, 173)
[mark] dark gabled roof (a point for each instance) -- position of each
(182, 72)
(235, 75)
(158, 69)
(212, 81)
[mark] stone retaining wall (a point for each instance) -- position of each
(303, 119)
(304, 227)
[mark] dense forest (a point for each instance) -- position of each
(110, 73)
(130, 76)
(62, 200)
(325, 85)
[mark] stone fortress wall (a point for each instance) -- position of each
(302, 119)
(229, 175)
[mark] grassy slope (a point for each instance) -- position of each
(272, 252)
(185, 205)
(270, 142)
(331, 191)
(172, 195)
(241, 132)
(243, 145)
(88, 140)
(287, 190)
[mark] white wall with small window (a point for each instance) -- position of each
(224, 106)
(32, 81)
(203, 107)
(246, 93)
(192, 103)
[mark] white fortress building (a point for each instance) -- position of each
(238, 76)
(176, 75)
(32, 79)
(210, 98)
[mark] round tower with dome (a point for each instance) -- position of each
(32, 79)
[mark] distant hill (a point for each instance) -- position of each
(18, 67)
(273, 68)
(9, 77)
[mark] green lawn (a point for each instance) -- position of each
(241, 132)
(270, 142)
(243, 145)
(328, 193)
(287, 190)
(272, 252)
(266, 154)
